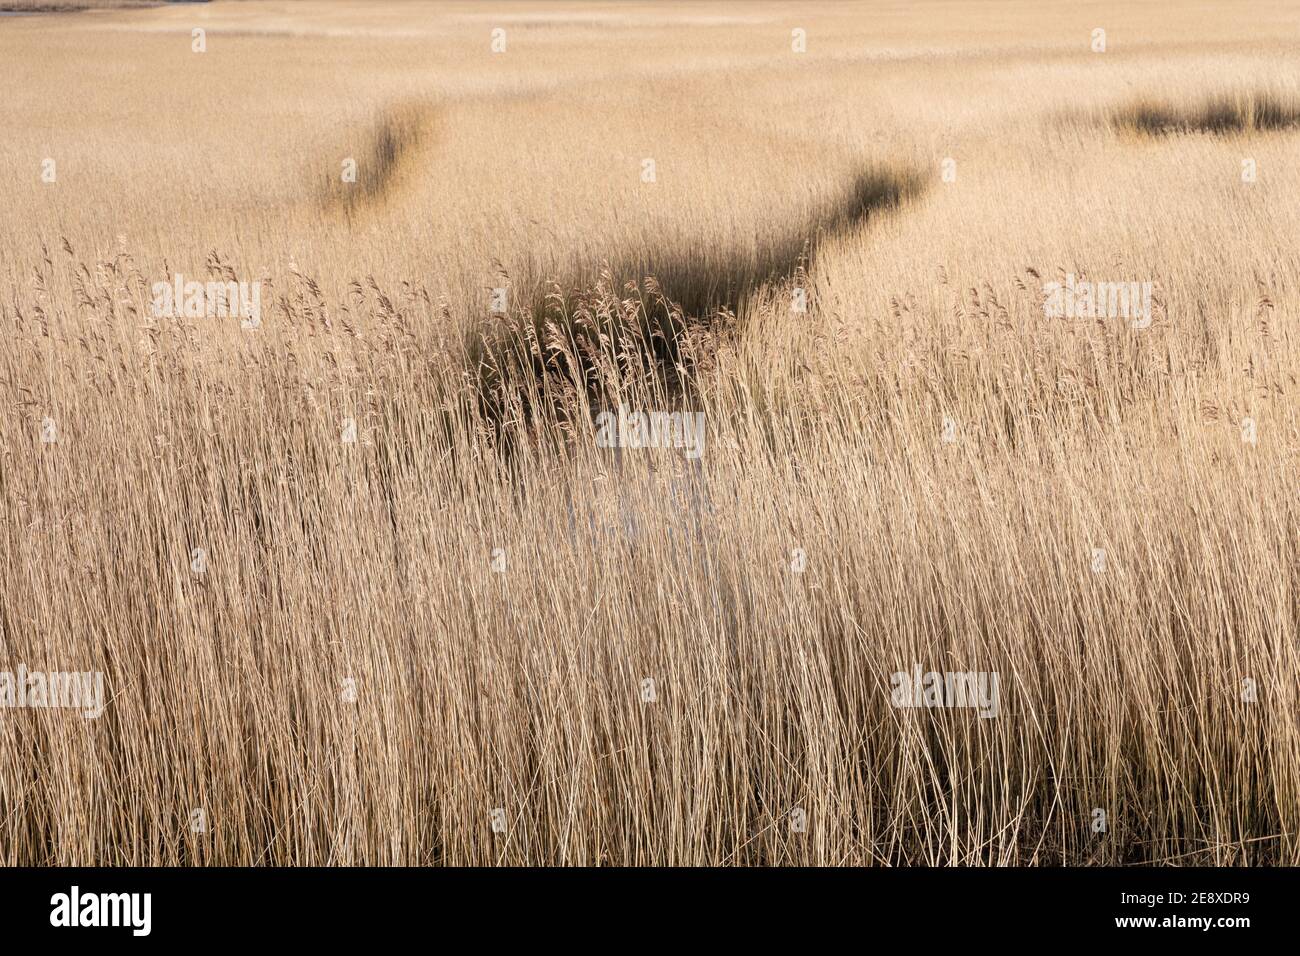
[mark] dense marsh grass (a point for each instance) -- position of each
(431, 644)
(1220, 114)
(399, 138)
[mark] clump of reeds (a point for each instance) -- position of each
(1229, 113)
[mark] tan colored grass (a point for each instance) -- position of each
(1242, 113)
(523, 690)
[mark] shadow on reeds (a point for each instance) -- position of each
(702, 281)
(1220, 115)
(383, 159)
(647, 321)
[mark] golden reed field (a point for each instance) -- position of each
(650, 433)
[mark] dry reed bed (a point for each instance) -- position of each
(521, 690)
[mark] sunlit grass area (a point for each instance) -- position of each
(366, 586)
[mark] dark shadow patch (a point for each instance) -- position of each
(723, 278)
(648, 321)
(1220, 115)
(383, 159)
